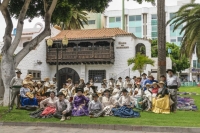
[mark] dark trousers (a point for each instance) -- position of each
(173, 96)
(15, 93)
(59, 114)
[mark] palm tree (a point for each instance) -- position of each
(139, 62)
(76, 20)
(161, 38)
(188, 16)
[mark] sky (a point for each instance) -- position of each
(114, 5)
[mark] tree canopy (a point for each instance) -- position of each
(178, 63)
(188, 16)
(139, 62)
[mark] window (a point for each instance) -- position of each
(97, 75)
(172, 15)
(135, 29)
(135, 18)
(114, 19)
(154, 34)
(179, 39)
(111, 19)
(173, 40)
(154, 28)
(36, 74)
(153, 16)
(91, 21)
(118, 19)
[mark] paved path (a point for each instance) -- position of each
(18, 129)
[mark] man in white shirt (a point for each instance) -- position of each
(173, 84)
(15, 85)
(126, 82)
(120, 82)
(103, 88)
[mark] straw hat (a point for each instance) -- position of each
(69, 79)
(25, 83)
(81, 79)
(154, 83)
(104, 79)
(148, 84)
(28, 76)
(117, 84)
(45, 79)
(51, 85)
(161, 82)
(18, 72)
(39, 83)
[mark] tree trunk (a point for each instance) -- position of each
(8, 72)
(161, 38)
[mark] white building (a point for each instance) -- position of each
(92, 53)
(142, 22)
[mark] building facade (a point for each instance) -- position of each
(94, 53)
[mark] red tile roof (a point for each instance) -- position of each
(91, 34)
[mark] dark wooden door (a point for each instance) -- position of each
(66, 73)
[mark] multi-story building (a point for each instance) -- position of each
(95, 21)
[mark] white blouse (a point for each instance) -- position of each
(126, 100)
(139, 94)
(108, 102)
(49, 102)
(88, 89)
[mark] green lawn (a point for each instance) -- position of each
(181, 118)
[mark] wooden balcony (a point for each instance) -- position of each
(78, 55)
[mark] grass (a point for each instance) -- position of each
(180, 118)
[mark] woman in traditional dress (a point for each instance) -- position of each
(116, 92)
(80, 104)
(26, 97)
(161, 102)
(38, 90)
(155, 89)
(47, 107)
(108, 103)
(126, 103)
(88, 91)
(147, 98)
(95, 107)
(137, 95)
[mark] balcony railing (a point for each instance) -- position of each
(81, 55)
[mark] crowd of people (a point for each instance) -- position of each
(117, 98)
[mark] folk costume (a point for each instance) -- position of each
(80, 104)
(26, 98)
(120, 82)
(81, 84)
(95, 107)
(47, 108)
(108, 103)
(111, 83)
(155, 89)
(50, 89)
(173, 83)
(88, 91)
(102, 89)
(38, 92)
(116, 92)
(126, 82)
(63, 108)
(161, 103)
(137, 95)
(45, 86)
(150, 80)
(126, 103)
(147, 98)
(15, 85)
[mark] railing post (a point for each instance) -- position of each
(76, 50)
(110, 49)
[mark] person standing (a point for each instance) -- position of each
(15, 85)
(144, 78)
(150, 80)
(173, 84)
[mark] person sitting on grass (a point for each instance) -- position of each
(63, 108)
(161, 104)
(147, 102)
(26, 97)
(137, 95)
(95, 107)
(47, 107)
(108, 103)
(80, 104)
(126, 103)
(155, 89)
(116, 92)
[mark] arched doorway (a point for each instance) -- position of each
(66, 73)
(140, 48)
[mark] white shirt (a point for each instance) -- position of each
(139, 94)
(129, 89)
(115, 93)
(108, 102)
(126, 83)
(101, 90)
(126, 100)
(16, 81)
(172, 81)
(120, 83)
(88, 89)
(49, 102)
